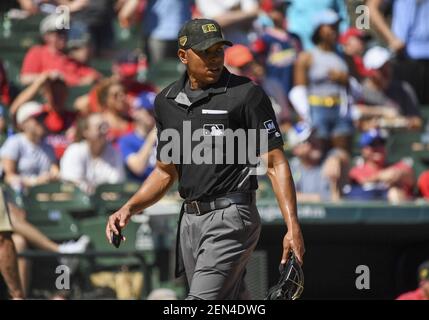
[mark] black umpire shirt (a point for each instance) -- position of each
(233, 102)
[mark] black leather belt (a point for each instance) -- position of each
(202, 207)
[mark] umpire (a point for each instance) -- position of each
(219, 224)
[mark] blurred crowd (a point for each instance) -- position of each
(338, 90)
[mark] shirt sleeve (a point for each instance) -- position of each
(403, 16)
(159, 128)
(32, 62)
(125, 148)
(259, 115)
(10, 149)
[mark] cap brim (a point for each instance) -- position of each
(204, 45)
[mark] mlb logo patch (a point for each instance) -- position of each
(213, 129)
(210, 27)
(270, 126)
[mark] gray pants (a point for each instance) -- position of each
(216, 247)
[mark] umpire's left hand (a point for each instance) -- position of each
(293, 240)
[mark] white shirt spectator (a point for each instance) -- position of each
(77, 165)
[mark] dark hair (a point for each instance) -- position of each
(315, 38)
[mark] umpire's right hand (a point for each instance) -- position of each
(116, 222)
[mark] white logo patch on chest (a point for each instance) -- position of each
(213, 129)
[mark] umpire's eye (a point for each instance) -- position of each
(218, 52)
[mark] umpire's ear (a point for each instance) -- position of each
(183, 56)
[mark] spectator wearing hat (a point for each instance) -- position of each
(422, 292)
(408, 38)
(138, 147)
(372, 178)
(301, 13)
(321, 78)
(26, 158)
(92, 160)
(59, 122)
(383, 100)
(79, 52)
(317, 177)
(277, 49)
(50, 56)
(353, 42)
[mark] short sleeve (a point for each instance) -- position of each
(10, 149)
(32, 62)
(259, 115)
(125, 147)
(159, 128)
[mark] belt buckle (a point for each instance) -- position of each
(195, 203)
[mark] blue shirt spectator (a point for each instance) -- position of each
(138, 147)
(302, 13)
(163, 18)
(409, 24)
(131, 144)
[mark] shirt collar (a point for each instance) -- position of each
(218, 87)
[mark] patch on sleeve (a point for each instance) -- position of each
(270, 126)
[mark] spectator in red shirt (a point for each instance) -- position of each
(59, 122)
(51, 57)
(373, 179)
(422, 292)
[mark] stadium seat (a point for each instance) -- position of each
(65, 197)
(95, 228)
(399, 145)
(110, 197)
(57, 225)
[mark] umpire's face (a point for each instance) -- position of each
(204, 66)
